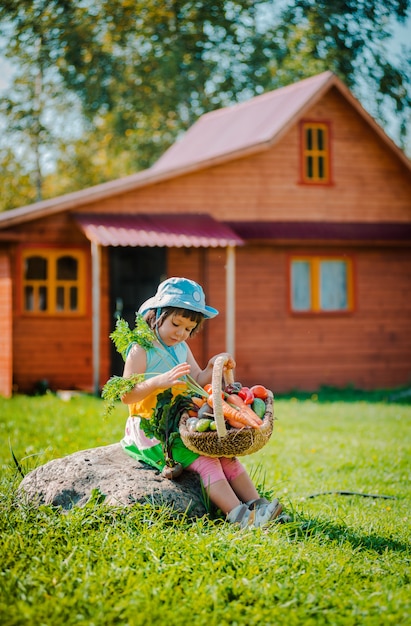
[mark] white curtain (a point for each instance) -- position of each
(333, 286)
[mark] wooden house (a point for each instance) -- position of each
(293, 210)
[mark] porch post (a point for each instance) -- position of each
(96, 307)
(230, 300)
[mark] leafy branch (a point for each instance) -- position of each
(123, 336)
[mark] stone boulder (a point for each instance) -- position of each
(70, 481)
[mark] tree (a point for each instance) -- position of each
(351, 38)
(137, 73)
(143, 71)
(16, 185)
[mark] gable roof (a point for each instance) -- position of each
(242, 128)
(219, 136)
(255, 125)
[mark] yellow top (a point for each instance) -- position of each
(144, 408)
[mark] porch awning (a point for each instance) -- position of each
(162, 230)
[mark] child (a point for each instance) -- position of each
(175, 313)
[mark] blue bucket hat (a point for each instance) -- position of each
(181, 293)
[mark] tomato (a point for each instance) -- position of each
(246, 395)
(260, 391)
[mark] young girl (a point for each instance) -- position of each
(175, 313)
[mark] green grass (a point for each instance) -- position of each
(344, 560)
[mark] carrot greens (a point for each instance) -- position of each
(115, 388)
(123, 336)
(163, 425)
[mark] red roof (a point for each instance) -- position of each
(343, 231)
(247, 125)
(219, 136)
(185, 230)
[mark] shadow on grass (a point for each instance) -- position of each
(303, 528)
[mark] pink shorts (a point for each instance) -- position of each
(211, 469)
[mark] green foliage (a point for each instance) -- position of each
(16, 182)
(123, 336)
(342, 561)
(115, 388)
(163, 424)
(327, 394)
(132, 76)
(351, 39)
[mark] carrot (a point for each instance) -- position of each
(245, 409)
(234, 423)
(231, 413)
(209, 389)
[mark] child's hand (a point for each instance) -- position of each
(230, 362)
(173, 376)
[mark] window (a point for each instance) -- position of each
(315, 153)
(53, 281)
(321, 284)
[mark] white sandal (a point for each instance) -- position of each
(240, 515)
(263, 513)
(252, 504)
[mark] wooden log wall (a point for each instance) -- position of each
(6, 345)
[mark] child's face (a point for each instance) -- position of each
(176, 329)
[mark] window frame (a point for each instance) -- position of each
(315, 259)
(326, 152)
(52, 254)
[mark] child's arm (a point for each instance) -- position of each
(136, 363)
(203, 377)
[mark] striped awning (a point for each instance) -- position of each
(162, 230)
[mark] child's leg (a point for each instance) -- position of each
(260, 510)
(239, 479)
(224, 491)
(215, 483)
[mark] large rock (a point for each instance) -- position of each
(70, 481)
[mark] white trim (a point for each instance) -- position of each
(96, 309)
(230, 300)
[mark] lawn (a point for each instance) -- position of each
(344, 559)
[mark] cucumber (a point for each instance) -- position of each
(258, 407)
(203, 425)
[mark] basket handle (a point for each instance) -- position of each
(218, 371)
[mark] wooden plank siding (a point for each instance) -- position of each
(363, 348)
(368, 183)
(369, 347)
(6, 344)
(53, 348)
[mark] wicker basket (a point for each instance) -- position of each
(227, 442)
